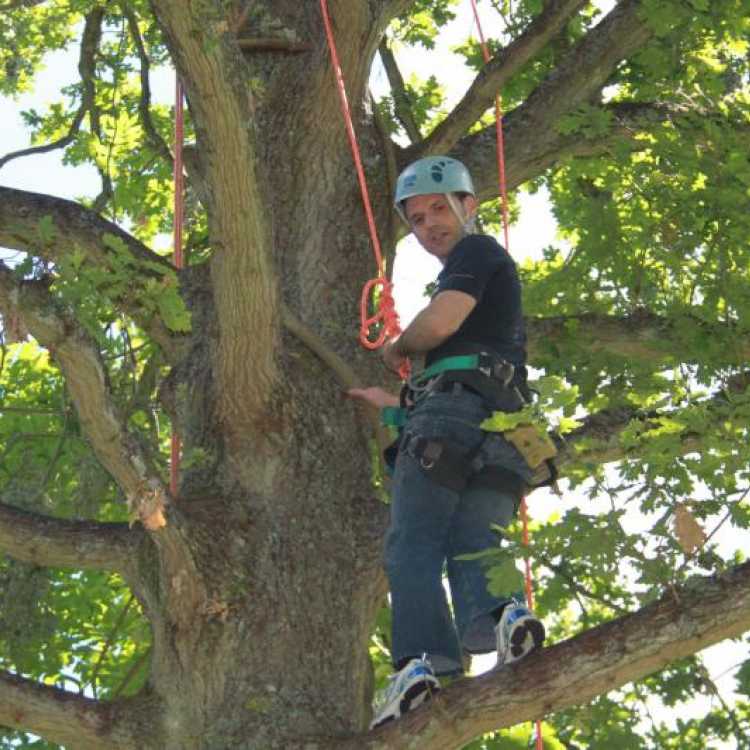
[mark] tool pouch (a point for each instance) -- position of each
(535, 446)
(444, 462)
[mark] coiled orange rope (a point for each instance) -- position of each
(386, 314)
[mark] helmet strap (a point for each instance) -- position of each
(468, 223)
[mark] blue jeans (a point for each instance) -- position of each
(432, 525)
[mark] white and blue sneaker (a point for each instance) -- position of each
(411, 687)
(518, 633)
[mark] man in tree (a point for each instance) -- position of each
(233, 609)
(453, 483)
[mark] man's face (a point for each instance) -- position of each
(434, 223)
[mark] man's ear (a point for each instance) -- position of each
(470, 205)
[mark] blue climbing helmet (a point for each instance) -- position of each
(433, 174)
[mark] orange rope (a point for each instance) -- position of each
(386, 314)
(529, 583)
(178, 258)
(500, 150)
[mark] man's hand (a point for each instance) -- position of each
(392, 358)
(374, 396)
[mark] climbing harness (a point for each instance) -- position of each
(178, 257)
(492, 379)
(386, 314)
(449, 465)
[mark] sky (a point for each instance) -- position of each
(414, 268)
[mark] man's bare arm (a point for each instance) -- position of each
(374, 396)
(433, 325)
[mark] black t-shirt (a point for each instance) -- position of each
(481, 267)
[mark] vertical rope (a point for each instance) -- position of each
(500, 150)
(352, 136)
(529, 583)
(386, 314)
(177, 257)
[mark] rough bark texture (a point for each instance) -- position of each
(73, 720)
(262, 586)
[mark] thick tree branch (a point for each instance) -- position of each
(92, 33)
(588, 66)
(402, 106)
(627, 120)
(498, 71)
(54, 542)
(87, 382)
(642, 336)
(532, 140)
(224, 109)
(390, 9)
(66, 718)
(71, 228)
(707, 611)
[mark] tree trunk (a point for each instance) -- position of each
(275, 582)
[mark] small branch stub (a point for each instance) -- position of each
(149, 506)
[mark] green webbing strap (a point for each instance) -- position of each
(461, 362)
(393, 416)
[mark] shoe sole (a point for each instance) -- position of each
(418, 694)
(525, 638)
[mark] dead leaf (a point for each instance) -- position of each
(154, 521)
(690, 534)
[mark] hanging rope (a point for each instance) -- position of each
(529, 582)
(385, 314)
(500, 150)
(177, 258)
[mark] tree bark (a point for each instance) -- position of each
(491, 79)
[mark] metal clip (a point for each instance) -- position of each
(504, 371)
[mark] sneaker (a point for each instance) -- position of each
(518, 633)
(411, 687)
